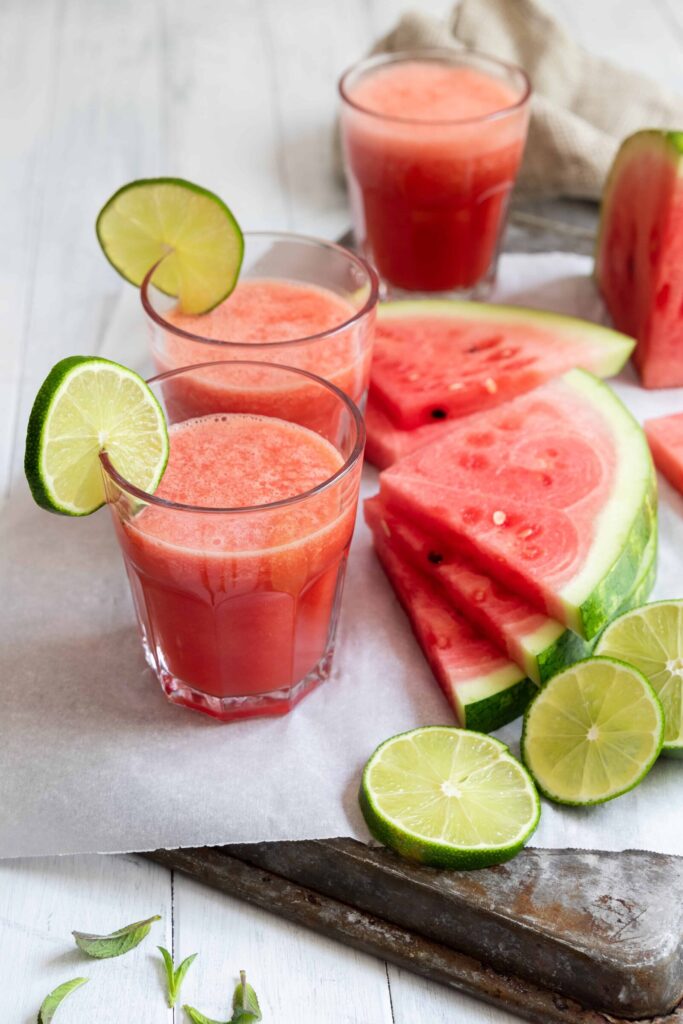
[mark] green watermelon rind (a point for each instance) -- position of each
(595, 594)
(486, 702)
(671, 145)
(495, 700)
(616, 347)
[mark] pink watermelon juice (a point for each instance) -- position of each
(236, 563)
(432, 145)
(320, 319)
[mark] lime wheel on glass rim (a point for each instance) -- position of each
(87, 405)
(188, 231)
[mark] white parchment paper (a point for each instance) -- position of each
(92, 758)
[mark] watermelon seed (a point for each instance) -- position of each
(385, 527)
(490, 385)
(499, 517)
(456, 385)
(435, 558)
(439, 414)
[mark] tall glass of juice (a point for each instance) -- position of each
(236, 563)
(432, 143)
(299, 301)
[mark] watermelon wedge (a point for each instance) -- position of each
(639, 255)
(439, 360)
(665, 437)
(484, 688)
(540, 645)
(553, 495)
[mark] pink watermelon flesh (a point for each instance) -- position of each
(429, 366)
(518, 489)
(456, 653)
(386, 444)
(665, 437)
(501, 615)
(639, 259)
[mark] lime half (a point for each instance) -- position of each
(651, 638)
(187, 227)
(593, 732)
(88, 405)
(449, 797)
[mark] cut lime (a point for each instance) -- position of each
(651, 638)
(449, 797)
(593, 732)
(87, 405)
(187, 227)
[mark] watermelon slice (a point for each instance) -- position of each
(552, 494)
(438, 360)
(665, 437)
(538, 644)
(639, 256)
(485, 689)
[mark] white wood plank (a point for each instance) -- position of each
(43, 900)
(297, 974)
(103, 129)
(308, 50)
(415, 999)
(221, 125)
(28, 68)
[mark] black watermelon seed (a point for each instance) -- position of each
(439, 414)
(434, 557)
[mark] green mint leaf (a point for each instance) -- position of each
(175, 976)
(245, 1007)
(51, 1002)
(198, 1018)
(116, 944)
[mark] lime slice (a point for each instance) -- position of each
(449, 797)
(187, 227)
(593, 732)
(88, 405)
(651, 638)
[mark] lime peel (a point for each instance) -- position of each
(85, 406)
(449, 797)
(593, 733)
(185, 232)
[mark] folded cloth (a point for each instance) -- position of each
(582, 106)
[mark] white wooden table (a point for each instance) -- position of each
(238, 95)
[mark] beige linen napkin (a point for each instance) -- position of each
(582, 106)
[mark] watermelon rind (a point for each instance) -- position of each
(623, 527)
(671, 145)
(484, 702)
(489, 702)
(615, 347)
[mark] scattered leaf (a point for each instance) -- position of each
(175, 976)
(51, 1002)
(198, 1018)
(245, 1007)
(116, 944)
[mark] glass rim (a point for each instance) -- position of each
(434, 53)
(344, 470)
(284, 236)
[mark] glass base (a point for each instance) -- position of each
(478, 292)
(233, 708)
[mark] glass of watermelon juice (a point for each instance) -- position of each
(432, 144)
(300, 302)
(236, 562)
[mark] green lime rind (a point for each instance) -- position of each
(195, 236)
(650, 638)
(535, 746)
(498, 785)
(498, 709)
(38, 440)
